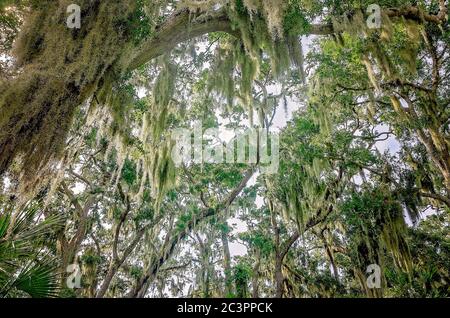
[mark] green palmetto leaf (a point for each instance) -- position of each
(24, 266)
(4, 223)
(38, 280)
(26, 227)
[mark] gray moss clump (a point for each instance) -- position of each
(60, 69)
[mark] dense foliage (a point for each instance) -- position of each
(88, 184)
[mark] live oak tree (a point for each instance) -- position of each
(113, 41)
(86, 116)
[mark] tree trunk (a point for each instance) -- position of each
(332, 262)
(279, 278)
(278, 274)
(227, 264)
(255, 277)
(112, 270)
(330, 256)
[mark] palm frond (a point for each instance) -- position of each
(22, 251)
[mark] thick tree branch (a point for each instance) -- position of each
(436, 197)
(178, 28)
(180, 235)
(184, 25)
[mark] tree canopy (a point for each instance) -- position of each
(347, 100)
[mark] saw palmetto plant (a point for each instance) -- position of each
(27, 267)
